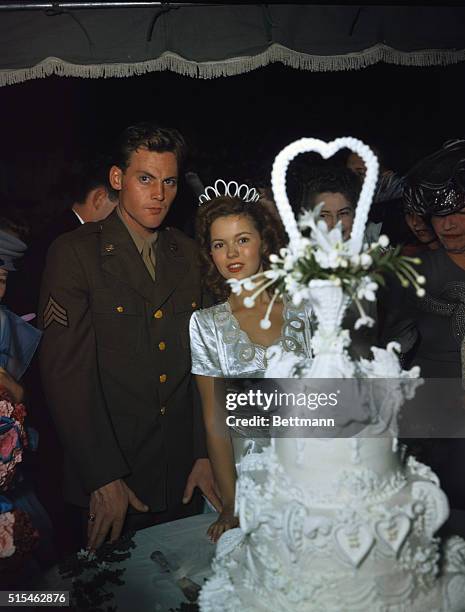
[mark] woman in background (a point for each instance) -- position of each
(338, 190)
(423, 236)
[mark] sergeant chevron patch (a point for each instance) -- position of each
(54, 312)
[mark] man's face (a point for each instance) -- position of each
(450, 229)
(146, 188)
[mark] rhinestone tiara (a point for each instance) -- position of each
(231, 189)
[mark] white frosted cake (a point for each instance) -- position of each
(337, 525)
(341, 524)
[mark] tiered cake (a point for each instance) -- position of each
(340, 526)
(345, 524)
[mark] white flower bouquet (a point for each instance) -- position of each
(324, 255)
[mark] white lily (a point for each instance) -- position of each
(306, 219)
(383, 241)
(365, 260)
(364, 320)
(249, 284)
(236, 286)
(367, 289)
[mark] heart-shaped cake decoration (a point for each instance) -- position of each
(354, 544)
(393, 531)
(326, 150)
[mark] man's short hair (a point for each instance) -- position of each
(85, 174)
(331, 180)
(148, 136)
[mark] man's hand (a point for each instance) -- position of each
(108, 507)
(202, 476)
(15, 389)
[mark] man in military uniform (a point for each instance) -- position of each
(116, 300)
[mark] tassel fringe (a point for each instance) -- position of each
(237, 65)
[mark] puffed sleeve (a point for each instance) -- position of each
(204, 347)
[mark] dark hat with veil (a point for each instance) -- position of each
(436, 184)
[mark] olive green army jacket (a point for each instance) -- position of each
(115, 361)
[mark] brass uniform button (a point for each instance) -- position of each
(158, 314)
(120, 308)
(194, 304)
(161, 346)
(162, 410)
(163, 378)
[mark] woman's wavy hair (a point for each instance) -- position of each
(270, 230)
(333, 180)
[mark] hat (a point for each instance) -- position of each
(11, 248)
(436, 184)
(407, 202)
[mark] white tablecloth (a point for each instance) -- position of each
(189, 553)
(147, 587)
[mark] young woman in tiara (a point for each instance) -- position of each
(236, 236)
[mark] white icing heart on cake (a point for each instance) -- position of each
(354, 544)
(393, 531)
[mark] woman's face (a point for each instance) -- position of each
(419, 228)
(235, 246)
(336, 207)
(3, 277)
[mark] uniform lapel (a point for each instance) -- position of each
(121, 259)
(170, 267)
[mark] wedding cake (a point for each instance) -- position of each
(344, 524)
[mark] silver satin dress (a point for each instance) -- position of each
(221, 349)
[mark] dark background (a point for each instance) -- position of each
(234, 125)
